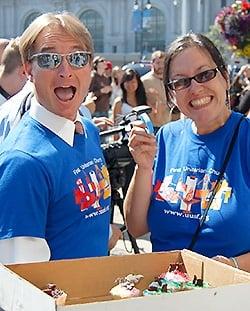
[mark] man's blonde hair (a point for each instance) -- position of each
(157, 54)
(3, 43)
(70, 23)
(11, 57)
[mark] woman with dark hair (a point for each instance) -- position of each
(191, 185)
(133, 94)
(117, 74)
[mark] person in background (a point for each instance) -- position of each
(169, 194)
(12, 75)
(244, 102)
(101, 87)
(239, 83)
(3, 43)
(13, 109)
(55, 190)
(87, 109)
(133, 94)
(155, 90)
(108, 70)
(117, 74)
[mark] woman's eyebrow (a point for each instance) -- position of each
(199, 69)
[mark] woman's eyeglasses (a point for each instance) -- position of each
(77, 59)
(201, 77)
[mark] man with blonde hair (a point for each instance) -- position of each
(3, 43)
(12, 75)
(55, 190)
(155, 91)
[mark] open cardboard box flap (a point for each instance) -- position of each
(90, 279)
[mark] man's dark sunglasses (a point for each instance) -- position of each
(77, 59)
(201, 77)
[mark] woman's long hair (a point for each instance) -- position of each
(140, 93)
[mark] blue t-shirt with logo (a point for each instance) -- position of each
(186, 169)
(54, 191)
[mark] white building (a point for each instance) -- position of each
(115, 25)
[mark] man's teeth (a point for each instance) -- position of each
(200, 102)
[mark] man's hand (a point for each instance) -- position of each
(89, 102)
(106, 89)
(103, 122)
(116, 235)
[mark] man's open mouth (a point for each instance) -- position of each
(65, 93)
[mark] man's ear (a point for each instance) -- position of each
(27, 67)
(21, 71)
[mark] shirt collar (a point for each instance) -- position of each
(62, 127)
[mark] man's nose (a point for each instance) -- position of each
(65, 69)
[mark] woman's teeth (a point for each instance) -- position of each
(200, 102)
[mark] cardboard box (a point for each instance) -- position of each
(88, 282)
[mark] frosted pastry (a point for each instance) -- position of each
(59, 295)
(126, 286)
(174, 280)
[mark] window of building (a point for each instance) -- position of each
(29, 19)
(152, 36)
(223, 3)
(95, 25)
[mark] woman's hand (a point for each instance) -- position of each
(226, 260)
(116, 235)
(142, 146)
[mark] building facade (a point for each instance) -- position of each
(120, 31)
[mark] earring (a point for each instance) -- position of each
(228, 100)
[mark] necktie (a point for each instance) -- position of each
(78, 127)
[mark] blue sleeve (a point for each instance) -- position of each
(246, 143)
(24, 196)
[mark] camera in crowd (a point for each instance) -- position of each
(117, 153)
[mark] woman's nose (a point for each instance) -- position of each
(194, 84)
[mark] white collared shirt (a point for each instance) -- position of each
(62, 127)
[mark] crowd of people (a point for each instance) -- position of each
(55, 98)
(240, 90)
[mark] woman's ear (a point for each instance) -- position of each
(172, 98)
(227, 78)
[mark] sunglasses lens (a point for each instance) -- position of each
(49, 61)
(205, 76)
(78, 59)
(53, 60)
(200, 78)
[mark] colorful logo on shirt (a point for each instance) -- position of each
(92, 188)
(190, 191)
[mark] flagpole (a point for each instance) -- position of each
(141, 45)
(141, 8)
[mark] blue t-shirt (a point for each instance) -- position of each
(54, 191)
(186, 169)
